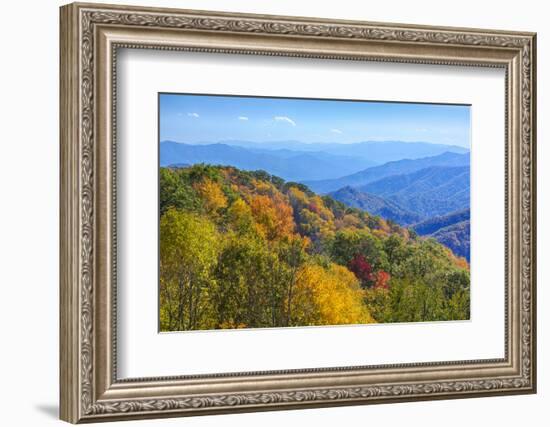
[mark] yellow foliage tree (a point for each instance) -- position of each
(262, 187)
(212, 195)
(189, 246)
(297, 196)
(349, 221)
(328, 296)
(384, 226)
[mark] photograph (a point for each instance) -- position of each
(277, 209)
(297, 212)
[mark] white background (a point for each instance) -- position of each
(141, 347)
(29, 171)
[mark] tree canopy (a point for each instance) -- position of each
(246, 249)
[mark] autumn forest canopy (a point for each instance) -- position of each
(241, 249)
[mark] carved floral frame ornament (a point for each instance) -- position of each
(90, 36)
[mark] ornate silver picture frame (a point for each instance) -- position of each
(91, 34)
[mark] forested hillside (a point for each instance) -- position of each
(376, 205)
(434, 224)
(452, 230)
(456, 237)
(433, 191)
(247, 249)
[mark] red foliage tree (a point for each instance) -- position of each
(361, 268)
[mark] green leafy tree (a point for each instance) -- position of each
(176, 192)
(189, 247)
(347, 244)
(245, 292)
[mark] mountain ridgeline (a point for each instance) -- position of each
(436, 223)
(431, 191)
(288, 164)
(394, 168)
(378, 152)
(434, 201)
(241, 249)
(375, 205)
(296, 161)
(408, 191)
(452, 230)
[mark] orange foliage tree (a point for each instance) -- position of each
(273, 216)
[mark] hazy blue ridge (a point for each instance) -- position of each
(289, 165)
(451, 230)
(456, 237)
(375, 205)
(285, 153)
(428, 192)
(398, 167)
(377, 152)
(431, 225)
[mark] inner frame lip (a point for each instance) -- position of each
(340, 370)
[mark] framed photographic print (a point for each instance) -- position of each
(265, 212)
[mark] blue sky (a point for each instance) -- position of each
(206, 118)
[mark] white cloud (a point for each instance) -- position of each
(284, 119)
(243, 118)
(338, 131)
(195, 115)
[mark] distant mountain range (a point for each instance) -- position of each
(436, 190)
(375, 205)
(410, 198)
(424, 186)
(456, 237)
(434, 200)
(432, 225)
(452, 230)
(289, 165)
(399, 167)
(405, 191)
(376, 152)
